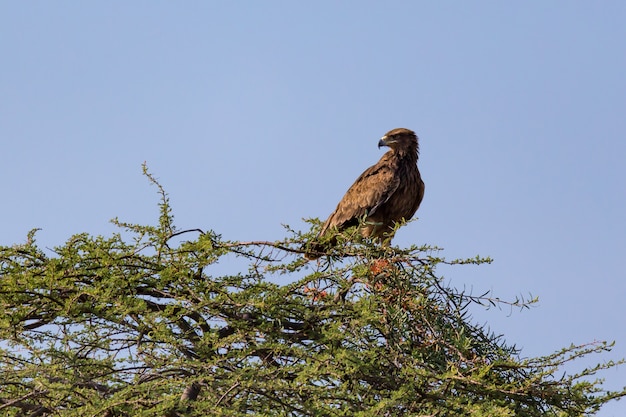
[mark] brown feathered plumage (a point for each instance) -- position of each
(385, 194)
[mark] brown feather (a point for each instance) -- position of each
(385, 194)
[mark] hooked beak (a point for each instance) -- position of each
(384, 141)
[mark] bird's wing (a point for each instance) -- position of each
(369, 191)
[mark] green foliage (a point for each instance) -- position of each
(143, 323)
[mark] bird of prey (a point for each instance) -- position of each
(385, 194)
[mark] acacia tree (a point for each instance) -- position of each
(142, 323)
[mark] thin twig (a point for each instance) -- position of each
(19, 400)
(226, 393)
(185, 231)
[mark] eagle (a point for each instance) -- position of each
(387, 193)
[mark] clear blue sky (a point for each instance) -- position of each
(254, 114)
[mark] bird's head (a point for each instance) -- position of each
(401, 139)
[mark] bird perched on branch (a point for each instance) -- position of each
(385, 194)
